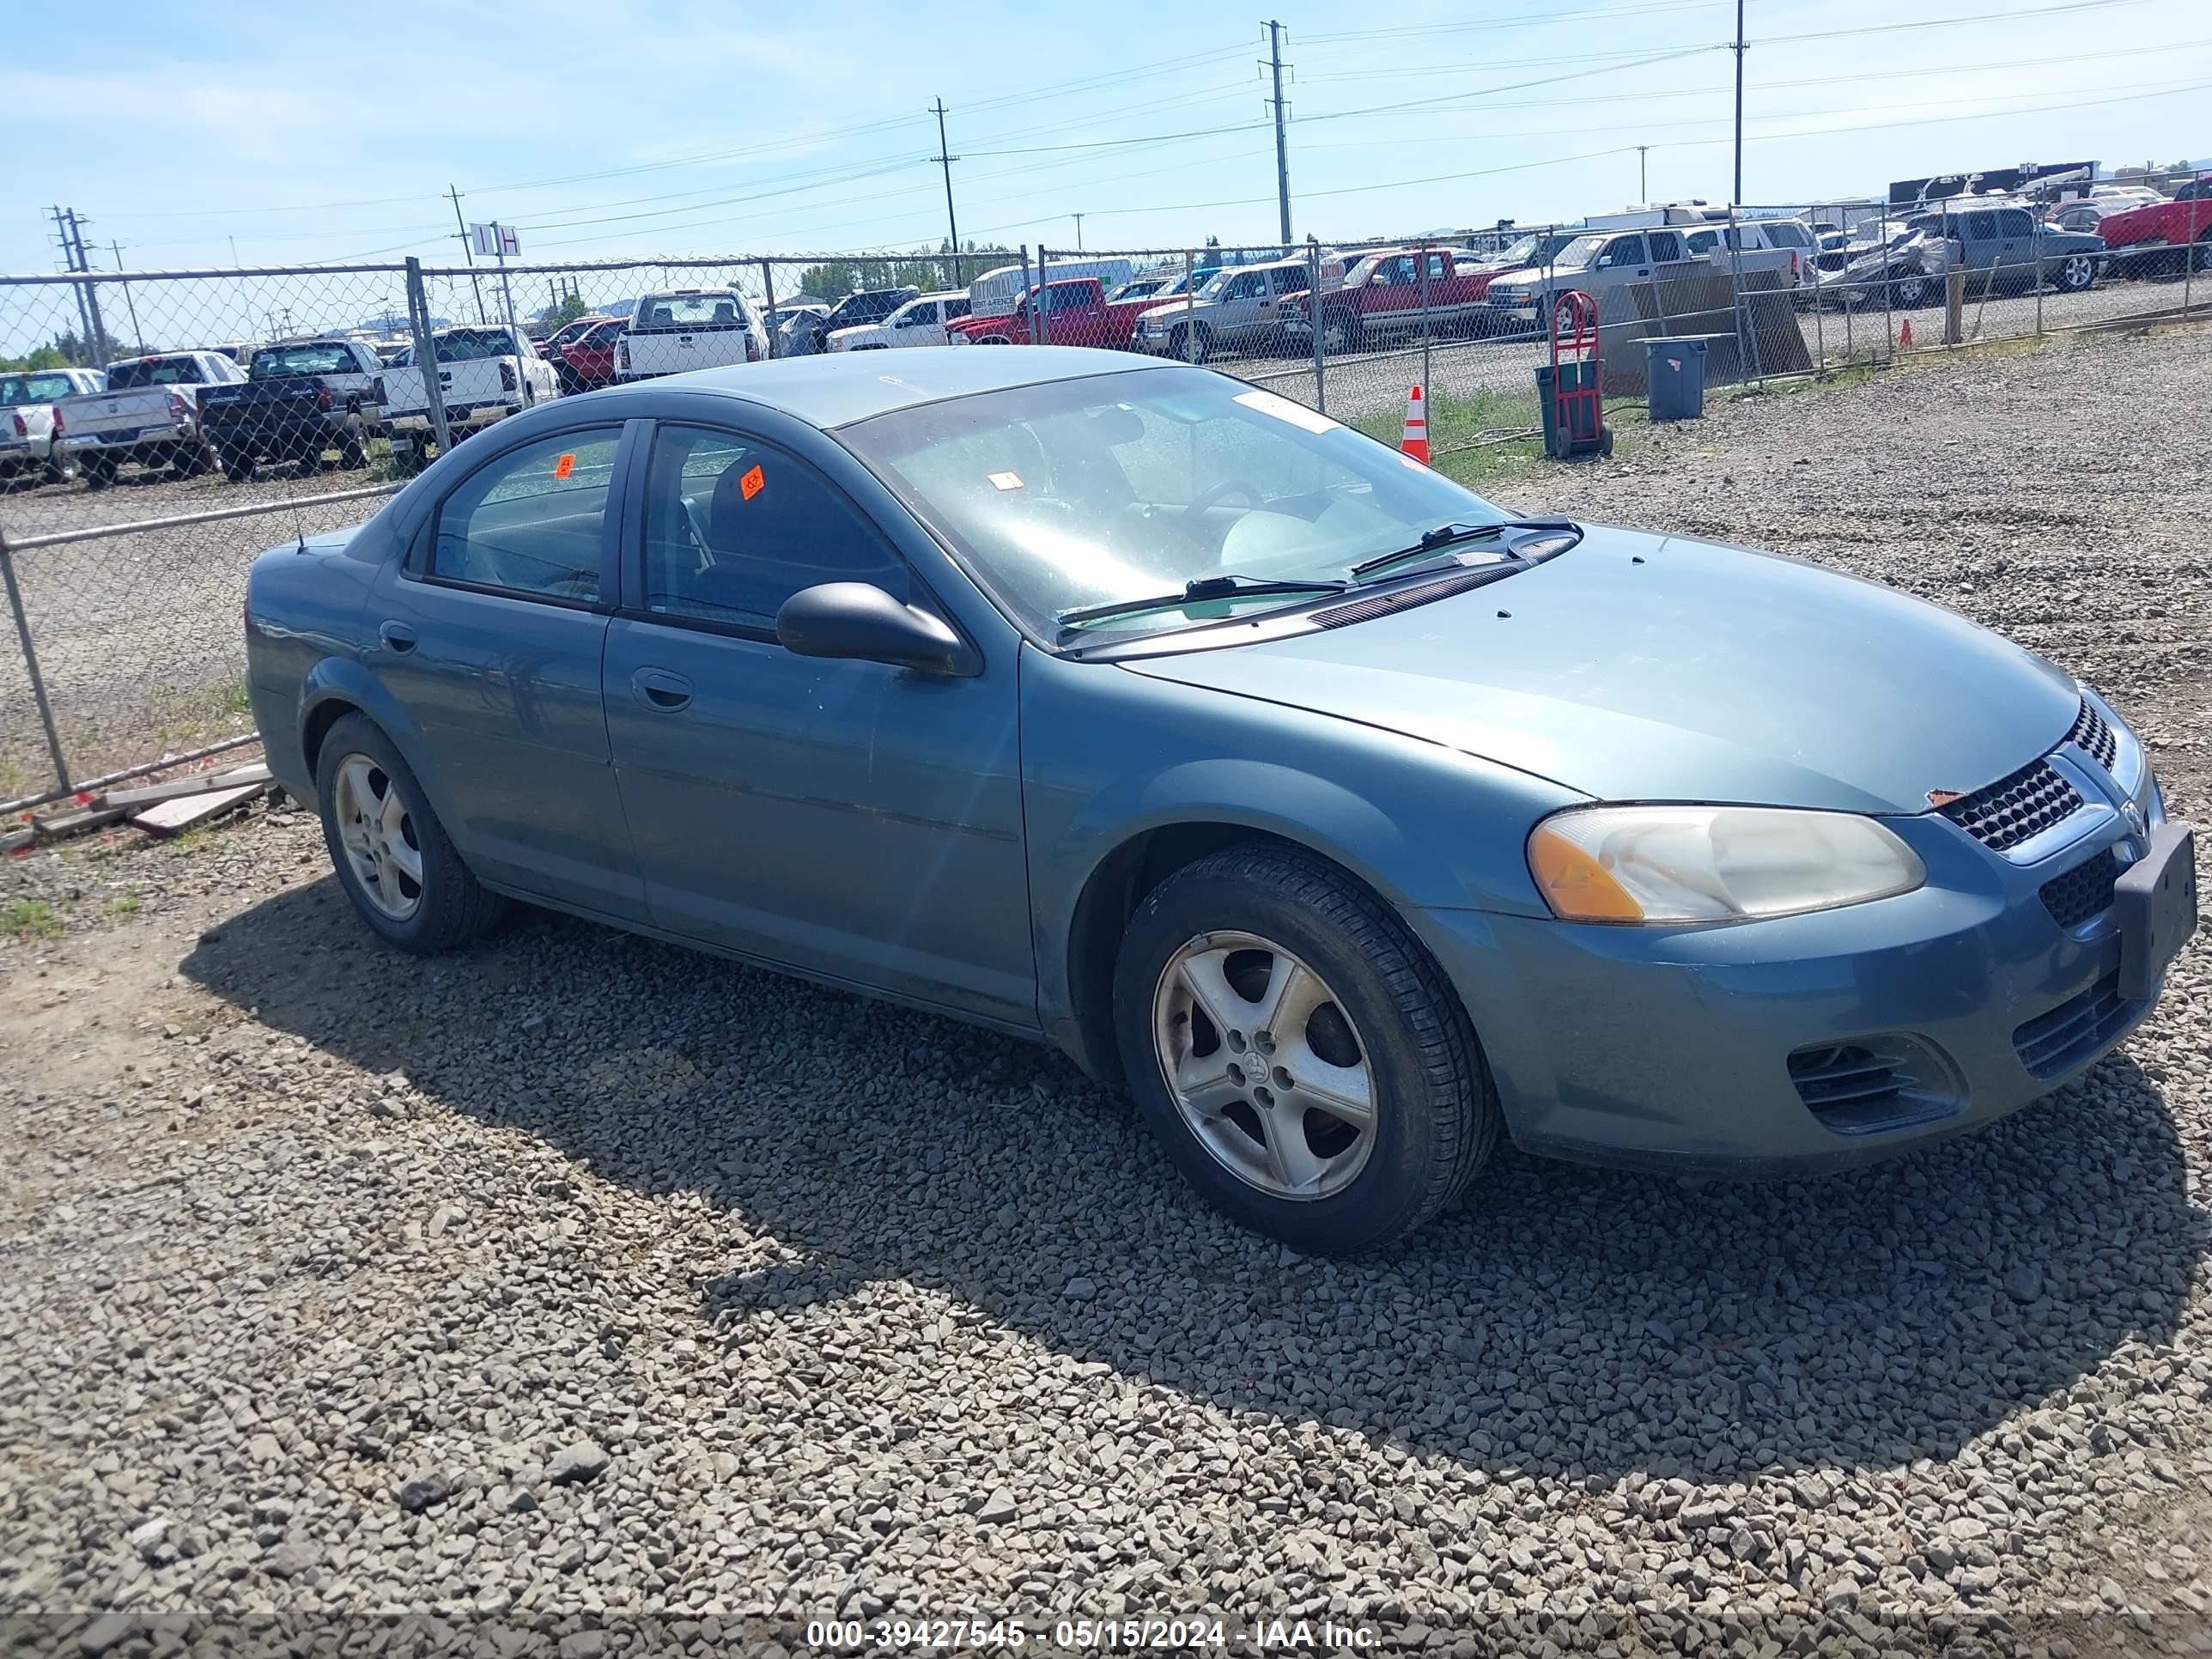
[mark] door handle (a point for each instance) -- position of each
(397, 636)
(656, 688)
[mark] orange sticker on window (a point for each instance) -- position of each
(751, 484)
(565, 465)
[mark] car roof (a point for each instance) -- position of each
(838, 389)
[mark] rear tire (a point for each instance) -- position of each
(61, 468)
(376, 823)
(353, 455)
(100, 472)
(1251, 1120)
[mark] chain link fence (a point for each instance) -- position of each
(240, 408)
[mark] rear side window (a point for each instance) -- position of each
(1666, 245)
(2014, 221)
(531, 522)
(1980, 227)
(733, 528)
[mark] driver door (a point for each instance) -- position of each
(850, 820)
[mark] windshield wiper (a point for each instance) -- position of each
(1445, 535)
(1192, 593)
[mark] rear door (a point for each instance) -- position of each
(1981, 245)
(848, 819)
(490, 633)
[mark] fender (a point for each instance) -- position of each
(341, 679)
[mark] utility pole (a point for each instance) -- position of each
(1078, 231)
(1643, 184)
(462, 228)
(130, 304)
(71, 229)
(944, 159)
(1282, 146)
(1737, 198)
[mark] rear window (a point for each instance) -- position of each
(16, 389)
(153, 371)
(279, 362)
(470, 345)
(687, 313)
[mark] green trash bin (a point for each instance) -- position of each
(1675, 374)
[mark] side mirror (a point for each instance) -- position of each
(858, 620)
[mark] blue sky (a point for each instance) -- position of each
(325, 133)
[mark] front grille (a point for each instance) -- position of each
(1878, 1083)
(2094, 737)
(2015, 808)
(2084, 891)
(1342, 616)
(2061, 1039)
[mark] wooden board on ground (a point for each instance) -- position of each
(204, 783)
(171, 817)
(75, 823)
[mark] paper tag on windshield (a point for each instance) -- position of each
(1004, 480)
(1284, 410)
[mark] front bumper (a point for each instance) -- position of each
(1673, 1049)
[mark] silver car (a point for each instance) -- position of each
(1237, 309)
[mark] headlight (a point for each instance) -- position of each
(1703, 864)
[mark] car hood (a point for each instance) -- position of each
(1640, 667)
(1532, 276)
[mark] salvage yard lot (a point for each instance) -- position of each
(579, 1276)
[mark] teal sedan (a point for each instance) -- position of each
(1348, 820)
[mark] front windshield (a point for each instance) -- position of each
(1122, 486)
(1580, 251)
(1214, 284)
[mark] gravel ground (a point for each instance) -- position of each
(580, 1282)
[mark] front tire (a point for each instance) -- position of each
(2077, 274)
(237, 465)
(392, 856)
(1303, 1063)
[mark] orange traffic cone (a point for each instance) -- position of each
(1905, 336)
(1415, 439)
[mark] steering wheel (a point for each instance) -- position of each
(1215, 495)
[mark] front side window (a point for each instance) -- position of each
(1981, 226)
(733, 528)
(533, 521)
(1122, 486)
(1622, 250)
(1666, 245)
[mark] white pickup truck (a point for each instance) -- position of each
(917, 323)
(27, 422)
(686, 328)
(486, 372)
(149, 412)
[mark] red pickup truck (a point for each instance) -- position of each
(1382, 296)
(1076, 312)
(2163, 235)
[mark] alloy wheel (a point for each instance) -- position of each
(1265, 1066)
(377, 833)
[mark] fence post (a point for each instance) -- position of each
(31, 663)
(425, 351)
(1747, 329)
(1313, 315)
(1190, 307)
(1039, 334)
(2188, 265)
(767, 286)
(1421, 276)
(2039, 279)
(1889, 290)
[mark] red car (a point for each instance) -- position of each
(1076, 312)
(588, 361)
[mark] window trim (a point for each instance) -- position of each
(633, 607)
(415, 566)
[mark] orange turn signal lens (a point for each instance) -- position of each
(1574, 883)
